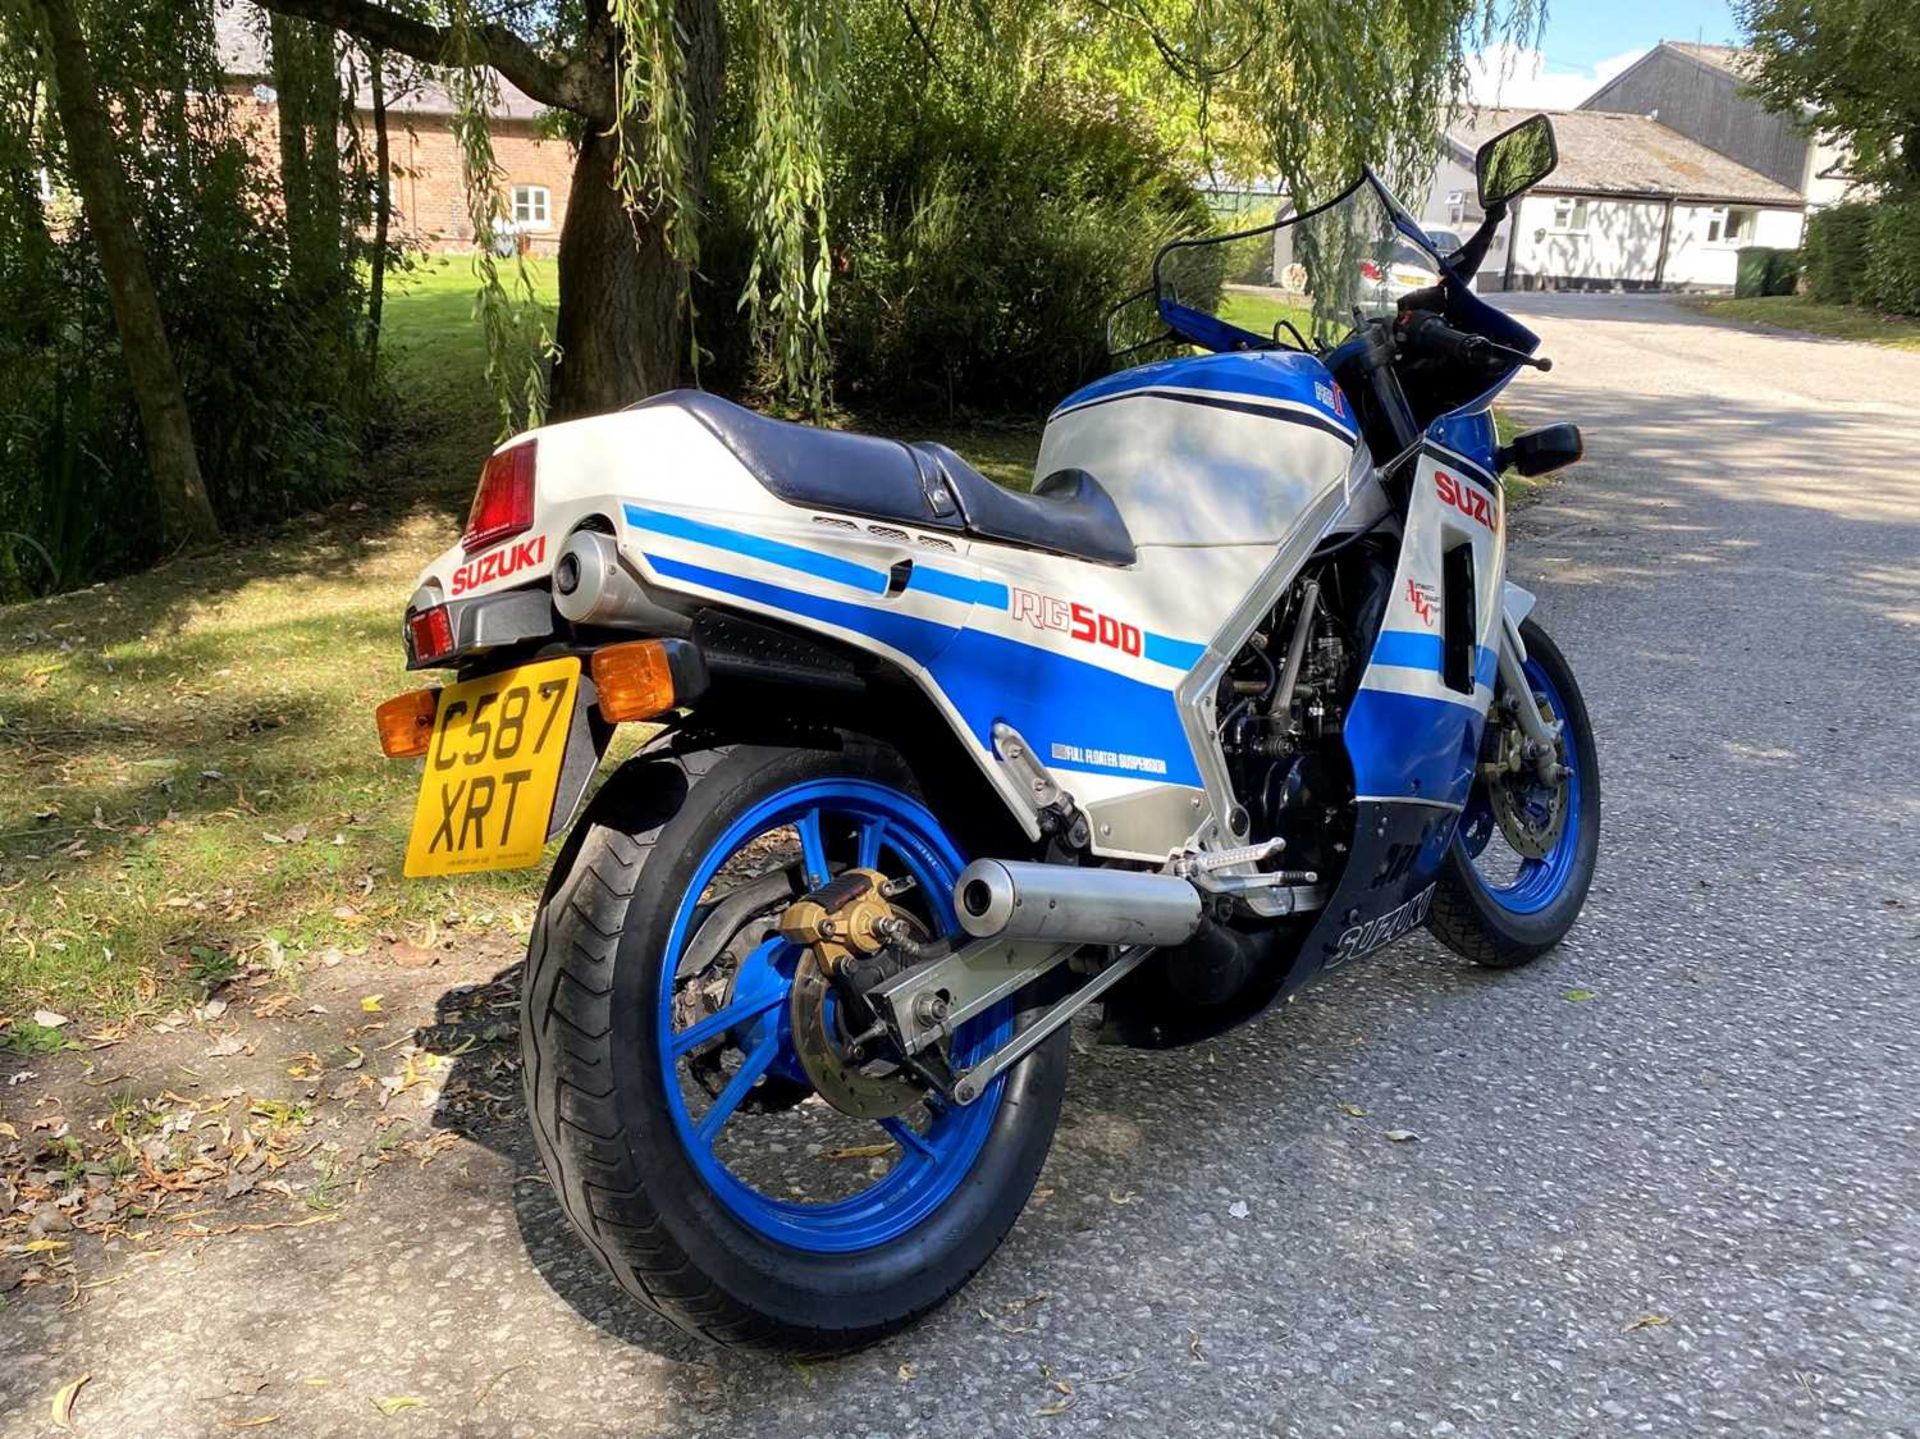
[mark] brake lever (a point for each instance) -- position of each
(1519, 357)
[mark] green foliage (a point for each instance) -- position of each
(272, 373)
(1762, 270)
(1893, 257)
(982, 237)
(1835, 253)
(1855, 64)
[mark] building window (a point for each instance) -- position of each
(1570, 213)
(532, 206)
(1730, 227)
(1456, 207)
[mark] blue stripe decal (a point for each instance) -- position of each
(964, 588)
(923, 640)
(1183, 655)
(1081, 716)
(1411, 650)
(792, 557)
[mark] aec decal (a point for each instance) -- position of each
(1077, 621)
(498, 564)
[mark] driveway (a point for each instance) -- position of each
(1684, 1203)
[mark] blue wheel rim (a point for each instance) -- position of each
(897, 835)
(1538, 882)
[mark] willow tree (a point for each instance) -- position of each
(1305, 89)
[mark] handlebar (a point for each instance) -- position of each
(1424, 332)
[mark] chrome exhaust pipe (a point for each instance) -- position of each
(1018, 901)
(592, 587)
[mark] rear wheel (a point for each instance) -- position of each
(1523, 854)
(676, 1048)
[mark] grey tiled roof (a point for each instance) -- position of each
(240, 31)
(1603, 153)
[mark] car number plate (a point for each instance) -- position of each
(492, 770)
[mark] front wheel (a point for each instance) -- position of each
(1523, 853)
(679, 1054)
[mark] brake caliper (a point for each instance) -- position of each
(854, 937)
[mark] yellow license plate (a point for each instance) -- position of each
(492, 770)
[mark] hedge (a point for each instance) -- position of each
(1893, 257)
(1836, 254)
(1766, 271)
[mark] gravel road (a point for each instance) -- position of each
(1682, 1205)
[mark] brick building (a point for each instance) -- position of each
(429, 199)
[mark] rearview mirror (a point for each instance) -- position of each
(1515, 160)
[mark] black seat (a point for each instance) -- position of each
(926, 485)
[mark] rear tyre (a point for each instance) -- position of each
(1503, 914)
(648, 1083)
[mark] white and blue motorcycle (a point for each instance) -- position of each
(1238, 694)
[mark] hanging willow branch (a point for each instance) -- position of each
(518, 341)
(790, 275)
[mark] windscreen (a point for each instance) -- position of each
(1302, 278)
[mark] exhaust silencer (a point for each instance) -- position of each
(592, 587)
(1014, 900)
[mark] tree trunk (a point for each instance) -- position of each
(186, 514)
(306, 79)
(622, 331)
(382, 205)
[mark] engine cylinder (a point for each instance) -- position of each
(1015, 900)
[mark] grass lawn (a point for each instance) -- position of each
(1797, 312)
(1260, 310)
(189, 783)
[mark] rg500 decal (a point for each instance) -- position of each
(1076, 621)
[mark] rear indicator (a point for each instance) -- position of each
(431, 634)
(406, 723)
(634, 680)
(503, 505)
(1369, 271)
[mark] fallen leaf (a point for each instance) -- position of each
(295, 833)
(1238, 1209)
(1577, 996)
(1194, 1351)
(1352, 1111)
(413, 956)
(254, 1423)
(63, 1402)
(8, 1130)
(371, 1004)
(1401, 1136)
(397, 1403)
(1118, 1198)
(1646, 1321)
(227, 1046)
(1055, 1409)
(906, 1373)
(860, 1151)
(47, 1019)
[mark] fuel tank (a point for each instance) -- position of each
(1226, 449)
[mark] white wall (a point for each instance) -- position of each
(1621, 241)
(1695, 260)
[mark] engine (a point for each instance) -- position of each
(1283, 702)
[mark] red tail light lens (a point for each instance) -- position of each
(1369, 271)
(503, 505)
(431, 632)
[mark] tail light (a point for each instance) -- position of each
(1368, 271)
(430, 633)
(503, 505)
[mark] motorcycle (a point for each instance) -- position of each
(1237, 695)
